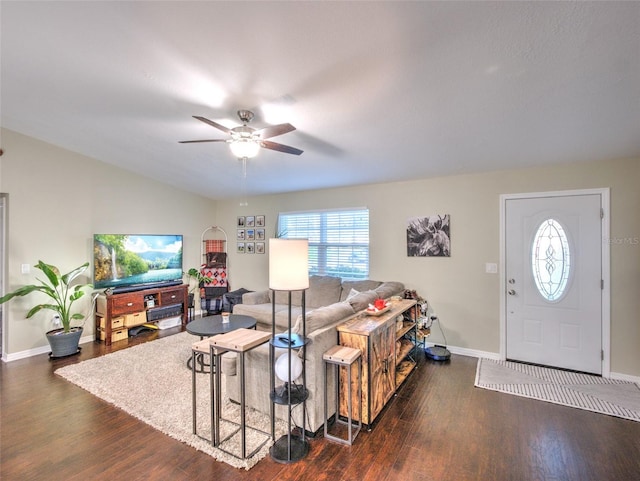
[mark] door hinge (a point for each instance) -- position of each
(602, 355)
(601, 213)
(601, 284)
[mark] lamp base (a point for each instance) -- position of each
(289, 449)
(280, 395)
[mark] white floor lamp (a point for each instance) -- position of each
(288, 272)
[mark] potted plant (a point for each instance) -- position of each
(196, 275)
(62, 294)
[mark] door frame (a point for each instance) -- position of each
(606, 267)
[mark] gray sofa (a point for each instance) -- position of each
(329, 302)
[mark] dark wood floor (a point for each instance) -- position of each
(439, 427)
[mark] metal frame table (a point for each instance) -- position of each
(240, 341)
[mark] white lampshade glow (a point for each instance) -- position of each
(282, 367)
(288, 264)
(244, 148)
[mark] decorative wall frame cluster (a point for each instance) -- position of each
(250, 234)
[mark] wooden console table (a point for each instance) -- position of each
(389, 354)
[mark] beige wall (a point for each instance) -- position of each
(58, 199)
(464, 296)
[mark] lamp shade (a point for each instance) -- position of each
(288, 264)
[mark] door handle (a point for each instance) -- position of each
(511, 292)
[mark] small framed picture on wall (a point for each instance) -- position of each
(240, 248)
(240, 222)
(240, 235)
(250, 221)
(249, 248)
(260, 234)
(259, 221)
(259, 247)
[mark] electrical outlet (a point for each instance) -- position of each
(25, 268)
(56, 321)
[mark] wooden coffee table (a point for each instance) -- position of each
(211, 326)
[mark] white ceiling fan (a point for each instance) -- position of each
(245, 142)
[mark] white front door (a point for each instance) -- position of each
(553, 272)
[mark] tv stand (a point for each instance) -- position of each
(117, 312)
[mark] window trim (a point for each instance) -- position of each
(321, 252)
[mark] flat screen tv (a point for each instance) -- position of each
(128, 261)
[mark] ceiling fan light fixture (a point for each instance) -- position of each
(244, 148)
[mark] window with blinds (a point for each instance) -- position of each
(338, 240)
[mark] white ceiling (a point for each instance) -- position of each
(379, 91)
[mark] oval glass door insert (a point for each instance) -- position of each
(551, 260)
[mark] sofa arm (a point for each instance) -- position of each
(257, 297)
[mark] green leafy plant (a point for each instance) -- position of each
(195, 274)
(59, 289)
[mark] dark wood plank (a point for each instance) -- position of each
(437, 427)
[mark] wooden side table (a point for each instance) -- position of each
(342, 356)
(240, 341)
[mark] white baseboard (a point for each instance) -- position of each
(463, 351)
(625, 377)
(38, 350)
(496, 357)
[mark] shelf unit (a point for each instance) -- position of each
(389, 353)
(211, 293)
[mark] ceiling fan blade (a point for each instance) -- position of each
(267, 144)
(196, 141)
(213, 124)
(275, 130)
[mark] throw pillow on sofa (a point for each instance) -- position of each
(360, 286)
(362, 300)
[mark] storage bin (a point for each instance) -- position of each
(118, 335)
(135, 319)
(116, 322)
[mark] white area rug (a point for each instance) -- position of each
(151, 382)
(582, 391)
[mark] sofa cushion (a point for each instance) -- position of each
(360, 286)
(388, 289)
(362, 300)
(324, 316)
(323, 290)
(282, 317)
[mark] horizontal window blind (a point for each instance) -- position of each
(338, 240)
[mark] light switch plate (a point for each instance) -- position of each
(491, 268)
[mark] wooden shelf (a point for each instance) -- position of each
(407, 326)
(406, 347)
(403, 370)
